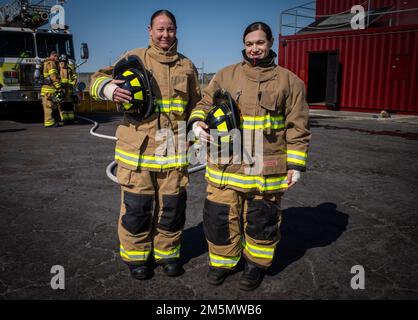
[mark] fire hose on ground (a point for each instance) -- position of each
(112, 166)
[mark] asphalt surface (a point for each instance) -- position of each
(356, 205)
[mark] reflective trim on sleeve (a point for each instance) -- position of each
(297, 157)
(97, 87)
(197, 115)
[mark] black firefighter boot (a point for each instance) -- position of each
(142, 272)
(216, 276)
(251, 278)
(173, 269)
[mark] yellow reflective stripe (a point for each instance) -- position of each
(96, 85)
(47, 90)
(219, 113)
(167, 106)
(198, 114)
(261, 183)
(263, 122)
(49, 123)
(259, 252)
(52, 71)
(297, 157)
(127, 73)
(132, 163)
(134, 255)
(295, 161)
(297, 153)
(154, 162)
(133, 155)
(159, 254)
(223, 262)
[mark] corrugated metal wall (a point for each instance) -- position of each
(329, 7)
(369, 80)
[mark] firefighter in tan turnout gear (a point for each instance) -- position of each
(151, 146)
(242, 211)
(68, 81)
(50, 90)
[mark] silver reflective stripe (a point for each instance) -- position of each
(293, 156)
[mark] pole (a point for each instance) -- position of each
(203, 73)
(368, 12)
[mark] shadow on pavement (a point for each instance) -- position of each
(302, 229)
(11, 130)
(193, 243)
(306, 228)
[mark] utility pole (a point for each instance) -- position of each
(201, 70)
(203, 73)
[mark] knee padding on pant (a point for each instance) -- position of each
(216, 223)
(173, 214)
(262, 220)
(139, 209)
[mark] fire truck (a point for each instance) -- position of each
(27, 36)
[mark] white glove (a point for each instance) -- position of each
(197, 130)
(109, 90)
(296, 176)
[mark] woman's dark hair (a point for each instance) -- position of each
(258, 26)
(164, 12)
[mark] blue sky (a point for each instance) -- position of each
(209, 31)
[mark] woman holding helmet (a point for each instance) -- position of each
(152, 163)
(242, 214)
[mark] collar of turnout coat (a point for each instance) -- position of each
(163, 56)
(262, 70)
(263, 63)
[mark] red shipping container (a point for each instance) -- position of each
(361, 70)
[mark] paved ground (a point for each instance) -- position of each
(357, 205)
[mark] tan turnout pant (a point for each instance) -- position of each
(49, 108)
(237, 223)
(152, 215)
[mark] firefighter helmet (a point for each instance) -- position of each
(63, 58)
(223, 116)
(137, 82)
(58, 97)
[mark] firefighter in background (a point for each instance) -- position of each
(51, 90)
(73, 83)
(153, 178)
(68, 82)
(242, 214)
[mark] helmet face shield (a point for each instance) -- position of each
(136, 80)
